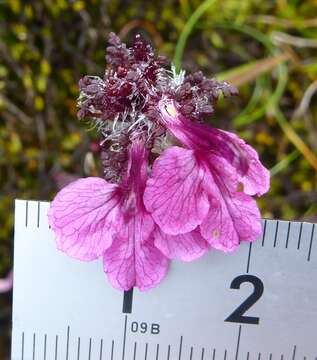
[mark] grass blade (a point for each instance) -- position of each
(187, 30)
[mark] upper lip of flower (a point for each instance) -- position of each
(136, 81)
(138, 99)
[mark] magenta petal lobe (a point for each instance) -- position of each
(82, 215)
(186, 247)
(255, 178)
(133, 260)
(232, 218)
(174, 194)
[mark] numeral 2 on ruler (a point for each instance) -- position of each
(238, 315)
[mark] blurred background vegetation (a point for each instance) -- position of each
(267, 48)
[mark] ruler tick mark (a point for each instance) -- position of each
(112, 349)
(202, 353)
(168, 352)
(145, 353)
(259, 356)
(78, 349)
(299, 235)
(38, 214)
(101, 348)
(249, 257)
(22, 349)
(34, 340)
(45, 341)
(287, 236)
(214, 354)
(294, 353)
(180, 348)
(282, 357)
(264, 231)
(56, 346)
(270, 358)
(26, 213)
(191, 353)
(127, 301)
(157, 351)
(225, 355)
(238, 343)
(134, 351)
(124, 336)
(248, 355)
(276, 232)
(89, 351)
(311, 242)
(67, 342)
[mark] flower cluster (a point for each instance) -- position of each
(123, 104)
(157, 201)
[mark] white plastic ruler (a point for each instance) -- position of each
(257, 303)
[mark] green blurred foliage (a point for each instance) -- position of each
(46, 46)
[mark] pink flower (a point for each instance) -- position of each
(198, 196)
(93, 218)
(6, 283)
(206, 186)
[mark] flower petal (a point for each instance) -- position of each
(186, 247)
(82, 215)
(232, 218)
(218, 228)
(6, 284)
(201, 138)
(133, 260)
(173, 194)
(256, 178)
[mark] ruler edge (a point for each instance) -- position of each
(17, 201)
